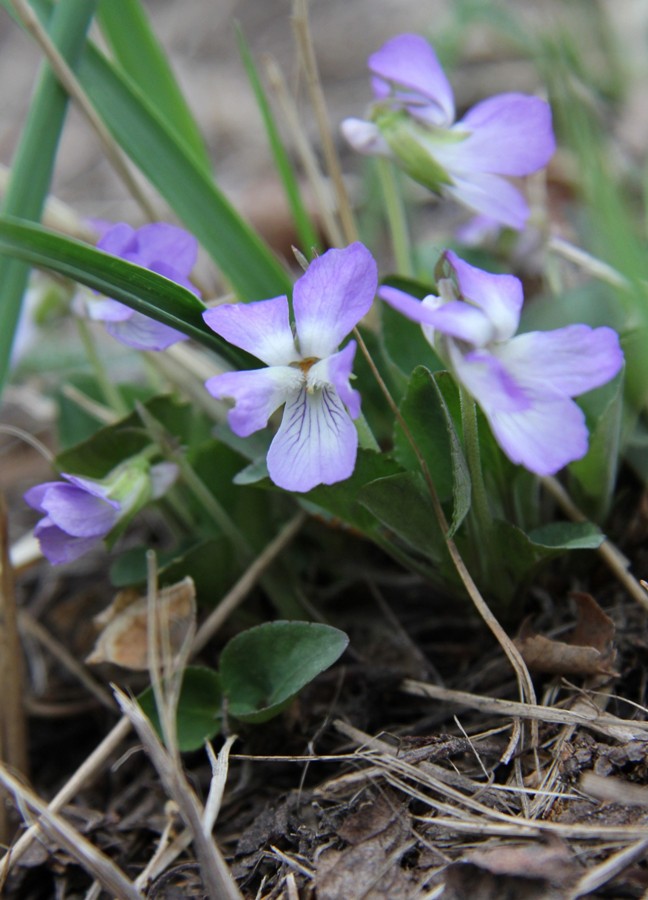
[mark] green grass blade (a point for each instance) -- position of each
(126, 28)
(306, 232)
(34, 160)
(142, 290)
(242, 256)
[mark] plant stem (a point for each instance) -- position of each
(395, 209)
(110, 390)
(473, 457)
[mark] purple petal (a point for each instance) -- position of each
(490, 195)
(545, 437)
(35, 495)
(510, 134)
(410, 307)
(408, 61)
(536, 426)
(261, 328)
(571, 360)
(462, 321)
(79, 513)
(161, 242)
(58, 547)
(489, 381)
(316, 443)
(331, 297)
(143, 333)
(336, 370)
(365, 137)
(257, 393)
(103, 309)
(499, 296)
(117, 240)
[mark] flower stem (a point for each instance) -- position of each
(109, 390)
(473, 457)
(395, 209)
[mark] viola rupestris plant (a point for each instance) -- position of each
(412, 121)
(525, 383)
(163, 248)
(81, 512)
(317, 441)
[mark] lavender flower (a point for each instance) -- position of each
(317, 441)
(162, 248)
(80, 512)
(413, 121)
(523, 384)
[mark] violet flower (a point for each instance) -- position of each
(317, 441)
(523, 384)
(413, 121)
(162, 248)
(80, 512)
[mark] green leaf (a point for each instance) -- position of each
(341, 499)
(264, 667)
(142, 290)
(33, 163)
(244, 259)
(199, 716)
(402, 504)
(559, 536)
(113, 444)
(431, 425)
(308, 236)
(137, 50)
(596, 472)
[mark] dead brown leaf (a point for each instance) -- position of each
(589, 651)
(378, 832)
(124, 639)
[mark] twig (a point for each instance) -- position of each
(59, 652)
(72, 85)
(589, 263)
(13, 728)
(599, 875)
(306, 154)
(87, 855)
(309, 62)
(609, 552)
(604, 723)
(215, 873)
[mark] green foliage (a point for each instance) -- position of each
(261, 670)
(200, 708)
(142, 59)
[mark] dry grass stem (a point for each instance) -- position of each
(319, 186)
(304, 40)
(216, 876)
(587, 716)
(608, 789)
(13, 727)
(64, 835)
(56, 648)
(599, 875)
(245, 583)
(72, 85)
